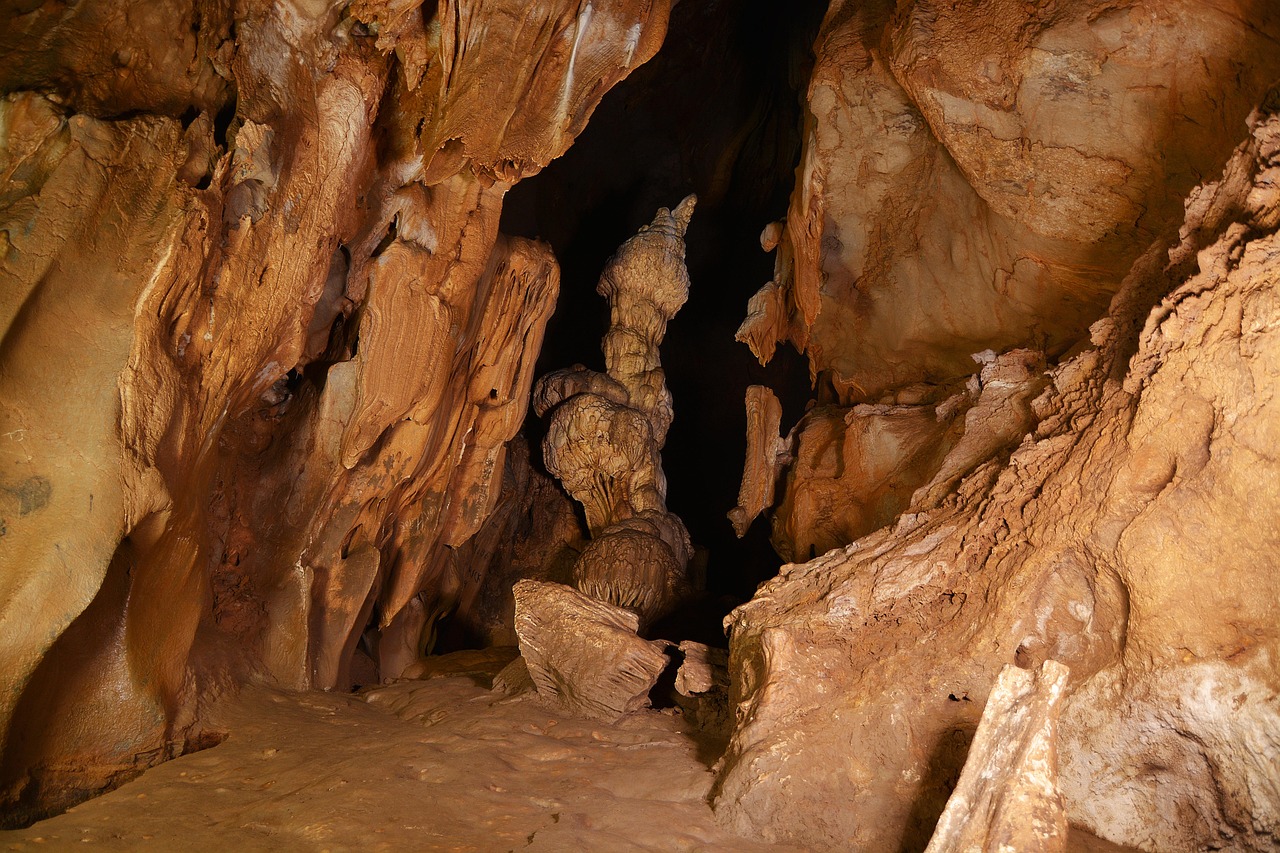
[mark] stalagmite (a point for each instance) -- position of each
(606, 431)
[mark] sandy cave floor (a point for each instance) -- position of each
(441, 764)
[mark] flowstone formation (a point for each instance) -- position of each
(975, 177)
(263, 343)
(604, 443)
(1041, 330)
(1128, 535)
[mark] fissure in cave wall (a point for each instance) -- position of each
(267, 358)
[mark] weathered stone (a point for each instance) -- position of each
(767, 455)
(1007, 798)
(1131, 516)
(255, 250)
(584, 655)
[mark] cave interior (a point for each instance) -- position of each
(644, 425)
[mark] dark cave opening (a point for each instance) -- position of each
(717, 112)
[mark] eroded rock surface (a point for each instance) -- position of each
(1007, 797)
(263, 344)
(1131, 517)
(583, 654)
(980, 176)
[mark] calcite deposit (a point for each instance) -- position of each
(263, 343)
(978, 176)
(1128, 536)
(1007, 797)
(269, 425)
(606, 431)
(583, 654)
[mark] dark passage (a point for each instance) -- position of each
(717, 112)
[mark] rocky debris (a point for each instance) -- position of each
(1007, 797)
(1131, 516)
(583, 654)
(702, 670)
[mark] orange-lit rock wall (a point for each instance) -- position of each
(263, 344)
(1016, 185)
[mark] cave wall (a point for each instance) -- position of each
(265, 350)
(1043, 356)
(978, 176)
(263, 342)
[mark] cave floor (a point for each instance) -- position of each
(427, 765)
(437, 764)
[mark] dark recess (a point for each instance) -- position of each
(717, 112)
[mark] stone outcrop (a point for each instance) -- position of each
(583, 654)
(263, 344)
(979, 177)
(1130, 519)
(1007, 797)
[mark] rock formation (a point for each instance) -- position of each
(978, 177)
(266, 361)
(1007, 797)
(606, 431)
(604, 443)
(583, 654)
(262, 341)
(1132, 516)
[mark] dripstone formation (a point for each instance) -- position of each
(604, 442)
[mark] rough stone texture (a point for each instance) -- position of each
(1007, 797)
(1129, 536)
(606, 431)
(702, 688)
(583, 654)
(982, 176)
(767, 455)
(263, 344)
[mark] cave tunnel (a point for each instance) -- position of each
(718, 112)
(344, 505)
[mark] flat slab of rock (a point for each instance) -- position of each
(1007, 798)
(583, 654)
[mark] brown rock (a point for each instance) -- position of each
(300, 342)
(767, 455)
(1111, 540)
(583, 654)
(1007, 797)
(977, 178)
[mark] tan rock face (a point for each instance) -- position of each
(979, 176)
(583, 654)
(1128, 522)
(1007, 797)
(263, 344)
